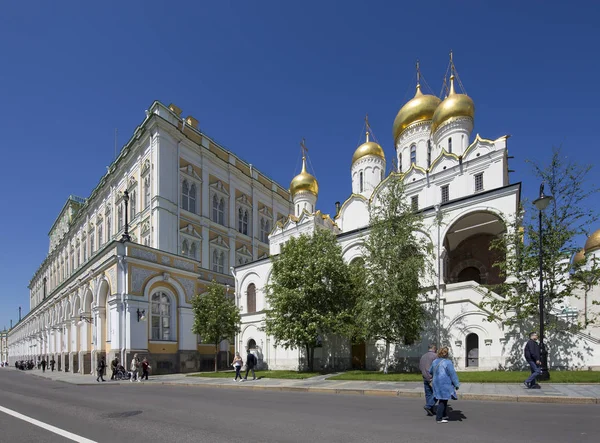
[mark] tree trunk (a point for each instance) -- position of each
(312, 359)
(387, 357)
(216, 355)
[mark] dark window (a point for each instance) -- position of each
(360, 181)
(413, 154)
(428, 153)
(251, 298)
(445, 193)
(479, 182)
(450, 145)
(414, 202)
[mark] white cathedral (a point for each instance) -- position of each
(449, 176)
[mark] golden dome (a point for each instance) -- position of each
(579, 257)
(593, 242)
(455, 105)
(368, 148)
(304, 182)
(420, 108)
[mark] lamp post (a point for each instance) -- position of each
(542, 203)
(126, 236)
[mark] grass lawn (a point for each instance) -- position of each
(259, 374)
(477, 377)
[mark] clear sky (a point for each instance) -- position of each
(261, 75)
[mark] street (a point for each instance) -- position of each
(137, 412)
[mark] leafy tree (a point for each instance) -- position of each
(397, 263)
(310, 293)
(216, 318)
(565, 220)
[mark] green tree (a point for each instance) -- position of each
(216, 318)
(568, 217)
(397, 264)
(310, 293)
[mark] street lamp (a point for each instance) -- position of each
(126, 236)
(542, 203)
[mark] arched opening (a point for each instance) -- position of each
(469, 256)
(251, 298)
(472, 350)
(251, 345)
(470, 273)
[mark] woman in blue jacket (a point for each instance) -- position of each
(445, 383)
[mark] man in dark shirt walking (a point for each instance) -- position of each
(250, 364)
(532, 355)
(424, 366)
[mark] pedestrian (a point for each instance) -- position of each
(424, 365)
(532, 355)
(52, 363)
(237, 364)
(145, 368)
(43, 365)
(250, 363)
(445, 383)
(100, 369)
(135, 363)
(114, 365)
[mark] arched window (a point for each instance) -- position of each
(215, 208)
(245, 223)
(222, 263)
(267, 230)
(108, 226)
(360, 182)
(184, 248)
(222, 211)
(185, 191)
(72, 259)
(450, 145)
(262, 230)
(215, 261)
(92, 243)
(428, 153)
(251, 298)
(192, 198)
(132, 204)
(100, 236)
(413, 154)
(193, 250)
(146, 192)
(119, 218)
(161, 316)
(240, 219)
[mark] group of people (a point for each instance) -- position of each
(3, 364)
(238, 362)
(441, 381)
(30, 364)
(139, 369)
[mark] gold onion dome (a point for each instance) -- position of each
(368, 148)
(579, 257)
(420, 108)
(593, 242)
(304, 182)
(455, 105)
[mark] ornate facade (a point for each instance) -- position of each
(461, 185)
(194, 210)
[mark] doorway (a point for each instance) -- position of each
(472, 350)
(359, 354)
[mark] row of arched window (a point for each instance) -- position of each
(413, 154)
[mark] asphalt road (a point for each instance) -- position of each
(140, 412)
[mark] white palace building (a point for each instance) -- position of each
(196, 212)
(450, 176)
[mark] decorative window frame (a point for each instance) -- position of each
(190, 235)
(218, 189)
(188, 174)
(242, 203)
(219, 246)
(172, 314)
(266, 216)
(242, 256)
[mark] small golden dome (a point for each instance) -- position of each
(593, 242)
(455, 105)
(420, 108)
(579, 257)
(304, 182)
(368, 148)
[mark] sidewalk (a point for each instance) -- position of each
(550, 393)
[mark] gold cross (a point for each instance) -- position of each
(303, 148)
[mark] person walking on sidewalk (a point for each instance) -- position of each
(145, 368)
(100, 369)
(135, 363)
(445, 383)
(114, 365)
(250, 363)
(43, 365)
(532, 355)
(237, 364)
(424, 366)
(52, 363)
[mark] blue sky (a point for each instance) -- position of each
(259, 76)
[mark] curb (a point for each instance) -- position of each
(400, 393)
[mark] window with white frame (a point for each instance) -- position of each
(265, 229)
(360, 180)
(445, 193)
(119, 217)
(146, 192)
(413, 154)
(243, 215)
(78, 254)
(92, 242)
(479, 182)
(251, 298)
(160, 313)
(132, 204)
(72, 259)
(185, 248)
(100, 234)
(193, 251)
(108, 226)
(188, 196)
(218, 206)
(414, 202)
(219, 258)
(84, 242)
